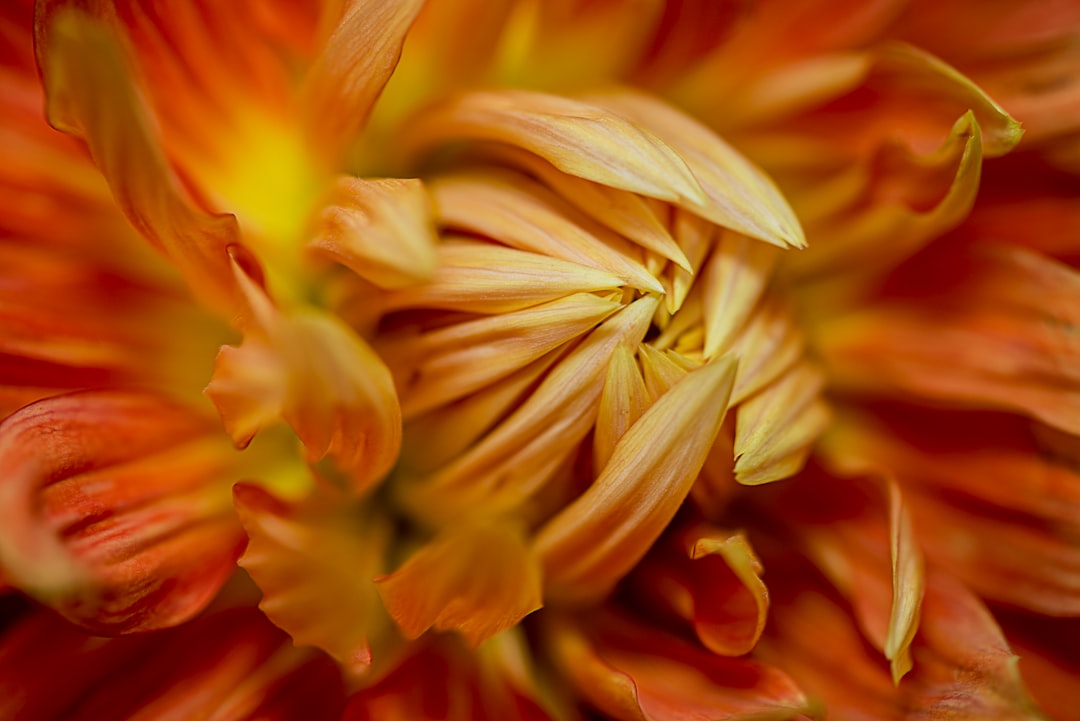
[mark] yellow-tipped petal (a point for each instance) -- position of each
(356, 61)
(738, 195)
(593, 542)
(775, 428)
(382, 230)
(735, 277)
(519, 212)
(476, 578)
(513, 461)
(314, 561)
(907, 586)
(622, 402)
(451, 362)
(484, 278)
(577, 137)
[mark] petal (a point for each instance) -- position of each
(475, 578)
(452, 361)
(91, 96)
(734, 277)
(623, 400)
(1000, 334)
(228, 666)
(314, 561)
(776, 428)
(382, 230)
(521, 213)
(1047, 662)
(356, 61)
(311, 370)
(593, 542)
(634, 673)
(514, 460)
(577, 137)
(737, 194)
(85, 533)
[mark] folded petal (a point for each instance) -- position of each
(593, 542)
(634, 673)
(475, 578)
(227, 666)
(382, 230)
(84, 531)
(314, 561)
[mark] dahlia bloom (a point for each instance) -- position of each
(540, 360)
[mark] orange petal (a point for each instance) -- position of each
(356, 62)
(85, 533)
(577, 137)
(775, 429)
(1048, 663)
(452, 361)
(998, 335)
(737, 194)
(314, 561)
(382, 230)
(593, 542)
(91, 96)
(226, 665)
(515, 459)
(311, 370)
(634, 673)
(475, 578)
(519, 212)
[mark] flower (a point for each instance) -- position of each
(539, 360)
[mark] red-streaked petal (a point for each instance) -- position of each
(91, 96)
(383, 230)
(635, 673)
(476, 578)
(86, 533)
(314, 561)
(356, 62)
(228, 666)
(594, 541)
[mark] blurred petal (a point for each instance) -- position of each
(84, 532)
(476, 578)
(228, 666)
(382, 230)
(314, 561)
(634, 673)
(593, 542)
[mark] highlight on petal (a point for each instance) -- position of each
(1000, 334)
(513, 462)
(314, 561)
(382, 230)
(477, 578)
(357, 60)
(577, 137)
(593, 542)
(634, 673)
(91, 96)
(227, 666)
(311, 370)
(115, 509)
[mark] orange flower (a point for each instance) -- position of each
(655, 360)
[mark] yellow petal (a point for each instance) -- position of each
(382, 230)
(453, 361)
(907, 586)
(769, 344)
(513, 461)
(738, 195)
(356, 61)
(485, 278)
(735, 277)
(478, 579)
(594, 541)
(90, 95)
(775, 428)
(659, 370)
(577, 137)
(521, 213)
(622, 402)
(314, 561)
